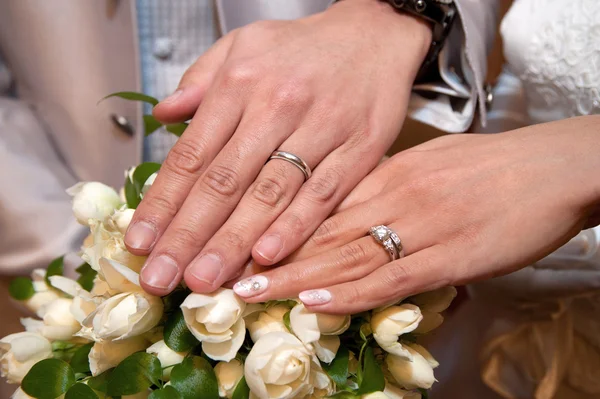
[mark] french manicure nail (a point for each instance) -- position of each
(140, 236)
(315, 297)
(160, 273)
(269, 247)
(173, 97)
(207, 268)
(251, 286)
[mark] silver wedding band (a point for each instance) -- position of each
(294, 160)
(389, 240)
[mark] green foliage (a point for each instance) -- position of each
(150, 124)
(21, 288)
(86, 276)
(81, 391)
(80, 361)
(176, 334)
(195, 378)
(167, 392)
(100, 382)
(55, 268)
(134, 185)
(344, 395)
(177, 128)
(286, 321)
(133, 96)
(242, 390)
(371, 376)
(136, 373)
(48, 379)
(338, 368)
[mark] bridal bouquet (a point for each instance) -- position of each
(102, 336)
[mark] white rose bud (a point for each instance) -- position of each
(417, 373)
(149, 182)
(270, 320)
(279, 366)
(389, 324)
(216, 320)
(309, 326)
(93, 200)
(393, 392)
(19, 352)
(436, 300)
(229, 375)
(326, 348)
(43, 293)
(107, 354)
(124, 316)
(167, 356)
(121, 218)
(58, 323)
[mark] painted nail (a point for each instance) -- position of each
(173, 97)
(207, 268)
(269, 247)
(315, 297)
(160, 273)
(251, 286)
(140, 236)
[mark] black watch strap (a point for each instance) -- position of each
(441, 13)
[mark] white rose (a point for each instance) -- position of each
(107, 354)
(326, 348)
(19, 352)
(229, 375)
(58, 323)
(216, 320)
(93, 200)
(389, 324)
(392, 392)
(148, 183)
(121, 219)
(123, 316)
(415, 373)
(167, 356)
(432, 303)
(119, 277)
(309, 326)
(43, 293)
(106, 241)
(100, 288)
(279, 366)
(261, 323)
(375, 395)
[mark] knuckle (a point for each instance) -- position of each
(268, 191)
(161, 205)
(238, 75)
(186, 237)
(185, 158)
(325, 233)
(322, 189)
(295, 226)
(221, 180)
(352, 255)
(235, 241)
(292, 93)
(397, 273)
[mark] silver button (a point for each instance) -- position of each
(163, 48)
(489, 95)
(123, 124)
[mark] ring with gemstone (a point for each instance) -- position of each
(294, 160)
(389, 240)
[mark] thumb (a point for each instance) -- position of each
(183, 103)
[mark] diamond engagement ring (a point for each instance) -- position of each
(388, 239)
(294, 160)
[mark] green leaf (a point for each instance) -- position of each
(80, 361)
(100, 382)
(286, 321)
(372, 375)
(174, 300)
(338, 369)
(150, 124)
(424, 393)
(167, 392)
(176, 334)
(177, 128)
(21, 288)
(132, 96)
(86, 276)
(48, 379)
(242, 390)
(133, 186)
(81, 391)
(195, 378)
(136, 373)
(55, 268)
(365, 331)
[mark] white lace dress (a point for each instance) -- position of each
(535, 333)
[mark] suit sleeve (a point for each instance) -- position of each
(451, 100)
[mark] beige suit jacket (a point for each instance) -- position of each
(64, 55)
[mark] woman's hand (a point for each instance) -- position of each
(466, 207)
(332, 89)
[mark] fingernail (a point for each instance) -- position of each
(269, 247)
(315, 297)
(207, 269)
(160, 272)
(140, 236)
(251, 286)
(173, 97)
